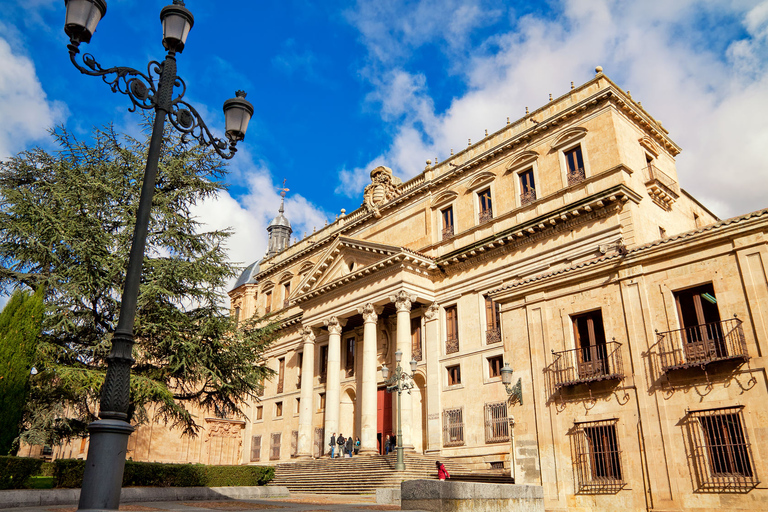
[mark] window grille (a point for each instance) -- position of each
(597, 457)
(255, 448)
(453, 427)
(496, 423)
(274, 448)
(499, 464)
(721, 451)
(294, 443)
(576, 176)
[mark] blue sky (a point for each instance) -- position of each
(342, 86)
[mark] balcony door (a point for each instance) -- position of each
(591, 356)
(700, 319)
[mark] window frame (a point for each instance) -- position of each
(481, 196)
(453, 432)
(520, 190)
(455, 371)
(496, 426)
(598, 471)
(569, 146)
(256, 441)
(278, 410)
(446, 322)
(259, 413)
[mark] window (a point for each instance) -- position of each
(452, 330)
(447, 218)
(323, 363)
(237, 315)
(702, 335)
(527, 187)
(496, 423)
(255, 448)
(297, 409)
(492, 322)
(453, 427)
(260, 389)
(591, 356)
(722, 453)
(350, 356)
(274, 446)
(495, 364)
(416, 338)
(597, 457)
(280, 374)
(299, 366)
(278, 409)
(294, 443)
(486, 209)
(321, 402)
(286, 293)
(259, 413)
(575, 163)
(268, 302)
(454, 375)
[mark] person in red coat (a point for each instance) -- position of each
(442, 473)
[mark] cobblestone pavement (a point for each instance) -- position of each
(296, 503)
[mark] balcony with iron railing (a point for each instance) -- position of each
(576, 176)
(493, 336)
(588, 364)
(451, 344)
(486, 216)
(702, 345)
(663, 190)
(447, 232)
(527, 197)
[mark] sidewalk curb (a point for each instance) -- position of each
(43, 497)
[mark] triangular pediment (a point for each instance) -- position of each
(344, 256)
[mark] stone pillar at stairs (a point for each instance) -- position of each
(333, 380)
(304, 447)
(368, 395)
(403, 302)
(432, 355)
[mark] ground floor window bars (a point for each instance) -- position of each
(597, 457)
(453, 427)
(255, 448)
(274, 446)
(496, 423)
(721, 451)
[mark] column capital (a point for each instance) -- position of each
(403, 300)
(335, 324)
(370, 312)
(432, 311)
(307, 334)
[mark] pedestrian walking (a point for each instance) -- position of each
(442, 473)
(387, 445)
(340, 441)
(333, 443)
(357, 445)
(393, 443)
(350, 446)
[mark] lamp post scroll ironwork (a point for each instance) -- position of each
(153, 90)
(399, 381)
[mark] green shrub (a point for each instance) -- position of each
(40, 482)
(69, 473)
(48, 469)
(14, 471)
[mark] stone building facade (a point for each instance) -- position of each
(634, 321)
(633, 318)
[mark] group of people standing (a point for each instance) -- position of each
(346, 446)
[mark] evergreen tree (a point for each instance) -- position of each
(66, 222)
(20, 323)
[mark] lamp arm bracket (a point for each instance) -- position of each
(188, 121)
(141, 88)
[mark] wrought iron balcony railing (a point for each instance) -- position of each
(452, 344)
(702, 344)
(447, 232)
(588, 364)
(486, 216)
(492, 336)
(528, 197)
(654, 173)
(576, 176)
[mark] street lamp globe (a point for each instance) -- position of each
(384, 371)
(398, 355)
(177, 22)
(237, 114)
(81, 19)
(413, 365)
(506, 374)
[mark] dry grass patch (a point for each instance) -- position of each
(229, 505)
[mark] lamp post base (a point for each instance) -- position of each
(103, 477)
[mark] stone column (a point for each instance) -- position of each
(368, 396)
(304, 447)
(432, 346)
(333, 380)
(403, 302)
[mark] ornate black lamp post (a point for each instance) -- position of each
(154, 90)
(400, 381)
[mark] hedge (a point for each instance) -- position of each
(14, 471)
(69, 473)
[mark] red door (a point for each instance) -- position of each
(383, 418)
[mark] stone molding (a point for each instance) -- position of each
(432, 312)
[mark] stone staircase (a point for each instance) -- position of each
(366, 473)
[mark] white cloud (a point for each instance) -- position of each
(707, 95)
(25, 112)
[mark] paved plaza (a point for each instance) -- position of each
(296, 503)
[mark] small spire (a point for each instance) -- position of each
(572, 86)
(550, 96)
(451, 151)
(507, 119)
(486, 132)
(469, 142)
(526, 110)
